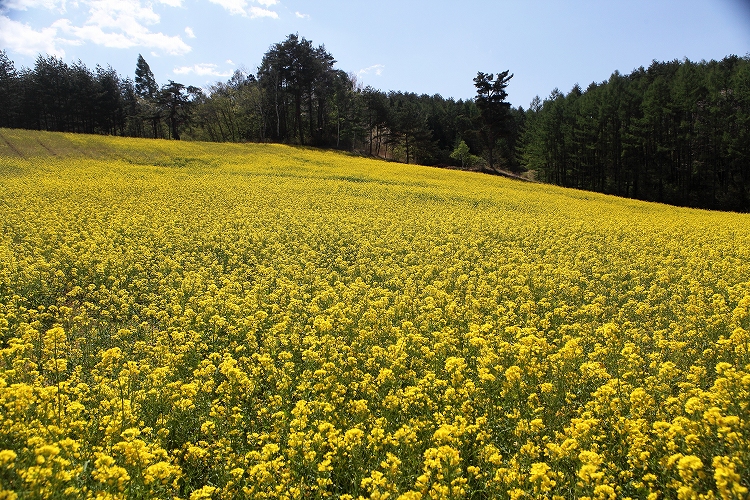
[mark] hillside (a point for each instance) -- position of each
(200, 319)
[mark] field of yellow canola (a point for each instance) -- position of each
(206, 321)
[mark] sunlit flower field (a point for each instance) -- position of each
(206, 321)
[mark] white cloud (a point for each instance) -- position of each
(127, 15)
(24, 39)
(109, 23)
(240, 7)
(203, 69)
(123, 24)
(375, 68)
(229, 61)
(301, 16)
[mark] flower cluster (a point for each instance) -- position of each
(260, 321)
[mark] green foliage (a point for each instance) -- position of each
(463, 155)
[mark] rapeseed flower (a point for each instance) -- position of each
(258, 325)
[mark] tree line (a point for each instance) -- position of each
(59, 97)
(677, 132)
(297, 96)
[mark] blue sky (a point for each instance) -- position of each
(424, 47)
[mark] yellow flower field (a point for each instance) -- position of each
(209, 321)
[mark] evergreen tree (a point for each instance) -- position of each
(9, 91)
(145, 83)
(376, 118)
(175, 99)
(109, 111)
(148, 93)
(297, 78)
(494, 110)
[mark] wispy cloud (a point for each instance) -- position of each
(202, 69)
(233, 6)
(242, 8)
(57, 5)
(301, 15)
(377, 69)
(189, 32)
(259, 12)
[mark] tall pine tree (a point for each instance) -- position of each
(494, 122)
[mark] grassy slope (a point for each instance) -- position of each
(21, 149)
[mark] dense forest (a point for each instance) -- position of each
(677, 132)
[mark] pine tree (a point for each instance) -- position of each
(9, 95)
(494, 111)
(145, 83)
